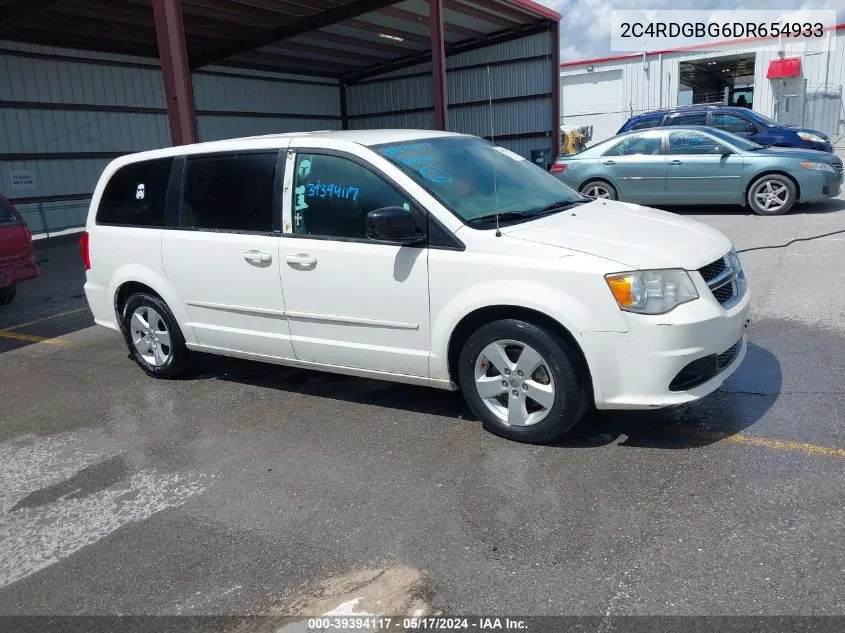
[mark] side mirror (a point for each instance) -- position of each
(393, 224)
(751, 128)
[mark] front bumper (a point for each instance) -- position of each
(644, 367)
(819, 185)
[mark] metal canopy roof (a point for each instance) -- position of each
(352, 38)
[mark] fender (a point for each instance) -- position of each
(550, 300)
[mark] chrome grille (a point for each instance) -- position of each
(723, 280)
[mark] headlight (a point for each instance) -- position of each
(651, 291)
(812, 138)
(817, 166)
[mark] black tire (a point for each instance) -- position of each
(7, 294)
(567, 379)
(776, 181)
(599, 184)
(177, 356)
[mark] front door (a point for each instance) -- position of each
(351, 302)
(700, 169)
(224, 259)
(636, 166)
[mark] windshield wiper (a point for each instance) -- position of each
(504, 215)
(560, 205)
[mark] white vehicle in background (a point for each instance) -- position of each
(420, 257)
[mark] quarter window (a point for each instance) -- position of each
(695, 143)
(136, 194)
(332, 196)
(642, 144)
(6, 215)
(230, 192)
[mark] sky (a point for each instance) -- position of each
(585, 27)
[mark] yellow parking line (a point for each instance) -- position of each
(31, 338)
(767, 442)
(46, 318)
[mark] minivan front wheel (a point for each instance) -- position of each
(153, 336)
(772, 194)
(521, 381)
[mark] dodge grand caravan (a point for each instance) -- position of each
(422, 257)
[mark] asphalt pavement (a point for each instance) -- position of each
(247, 488)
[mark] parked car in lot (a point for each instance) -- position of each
(17, 255)
(740, 121)
(419, 257)
(700, 166)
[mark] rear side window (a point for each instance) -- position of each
(648, 143)
(136, 194)
(6, 215)
(643, 124)
(699, 118)
(230, 192)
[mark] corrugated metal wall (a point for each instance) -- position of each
(516, 75)
(640, 89)
(64, 114)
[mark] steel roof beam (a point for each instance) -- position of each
(332, 16)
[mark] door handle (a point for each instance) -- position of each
(609, 162)
(675, 162)
(301, 259)
(257, 257)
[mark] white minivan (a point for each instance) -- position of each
(415, 256)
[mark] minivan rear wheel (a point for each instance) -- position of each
(521, 381)
(599, 189)
(7, 294)
(153, 336)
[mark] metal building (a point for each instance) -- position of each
(85, 81)
(797, 82)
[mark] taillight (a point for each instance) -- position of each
(83, 250)
(558, 168)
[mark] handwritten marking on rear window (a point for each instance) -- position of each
(327, 190)
(436, 175)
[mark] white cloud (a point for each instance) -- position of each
(585, 27)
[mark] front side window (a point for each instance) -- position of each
(699, 118)
(230, 192)
(474, 178)
(730, 123)
(650, 144)
(136, 195)
(695, 143)
(332, 196)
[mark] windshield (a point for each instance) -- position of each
(474, 178)
(762, 119)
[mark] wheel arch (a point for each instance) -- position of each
(486, 314)
(133, 279)
(603, 179)
(771, 172)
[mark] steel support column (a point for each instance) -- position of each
(438, 64)
(173, 53)
(555, 44)
(344, 111)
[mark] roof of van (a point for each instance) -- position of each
(361, 137)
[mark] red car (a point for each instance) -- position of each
(17, 255)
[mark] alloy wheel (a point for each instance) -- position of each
(150, 336)
(514, 382)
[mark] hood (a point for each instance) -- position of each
(635, 236)
(796, 153)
